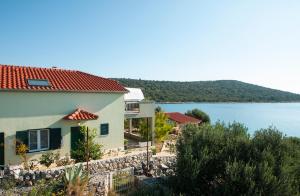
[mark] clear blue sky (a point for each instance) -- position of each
(256, 41)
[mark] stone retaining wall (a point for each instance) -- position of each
(99, 170)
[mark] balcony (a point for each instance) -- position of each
(132, 108)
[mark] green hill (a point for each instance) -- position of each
(208, 91)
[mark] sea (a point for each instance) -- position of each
(284, 116)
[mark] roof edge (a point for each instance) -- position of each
(59, 91)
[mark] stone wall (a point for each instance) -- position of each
(163, 165)
(100, 170)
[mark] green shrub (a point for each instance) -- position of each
(47, 188)
(199, 114)
(8, 183)
(225, 160)
(152, 190)
(64, 161)
(93, 148)
(125, 142)
(21, 150)
(48, 158)
(153, 150)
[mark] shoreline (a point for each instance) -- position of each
(222, 102)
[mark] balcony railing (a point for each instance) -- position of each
(132, 108)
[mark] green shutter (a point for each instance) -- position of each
(104, 129)
(76, 135)
(21, 138)
(1, 150)
(55, 138)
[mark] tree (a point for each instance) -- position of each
(126, 123)
(158, 109)
(225, 160)
(162, 127)
(144, 128)
(199, 114)
(93, 148)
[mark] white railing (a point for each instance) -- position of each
(122, 180)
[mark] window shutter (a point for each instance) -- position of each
(21, 138)
(55, 138)
(104, 129)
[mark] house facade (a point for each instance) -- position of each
(44, 107)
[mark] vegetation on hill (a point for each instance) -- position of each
(208, 91)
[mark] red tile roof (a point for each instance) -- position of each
(15, 78)
(81, 115)
(181, 118)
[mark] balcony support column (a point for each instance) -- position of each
(153, 130)
(130, 125)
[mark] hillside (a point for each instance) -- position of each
(208, 91)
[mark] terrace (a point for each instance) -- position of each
(137, 111)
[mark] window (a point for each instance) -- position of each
(38, 140)
(104, 129)
(132, 107)
(38, 82)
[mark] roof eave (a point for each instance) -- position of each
(59, 91)
(80, 119)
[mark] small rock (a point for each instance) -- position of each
(57, 172)
(48, 176)
(163, 166)
(21, 178)
(28, 183)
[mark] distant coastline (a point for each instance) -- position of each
(220, 91)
